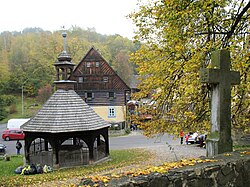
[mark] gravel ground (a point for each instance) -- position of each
(169, 153)
(164, 152)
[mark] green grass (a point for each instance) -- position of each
(240, 148)
(119, 158)
(8, 167)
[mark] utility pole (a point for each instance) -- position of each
(22, 102)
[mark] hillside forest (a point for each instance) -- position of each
(27, 59)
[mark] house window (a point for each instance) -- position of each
(97, 64)
(80, 79)
(105, 79)
(111, 112)
(111, 95)
(89, 96)
(88, 64)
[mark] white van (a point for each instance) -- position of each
(16, 123)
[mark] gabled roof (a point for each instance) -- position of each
(98, 57)
(87, 55)
(65, 111)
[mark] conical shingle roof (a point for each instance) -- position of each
(65, 111)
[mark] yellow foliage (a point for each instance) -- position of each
(134, 172)
(174, 48)
(245, 152)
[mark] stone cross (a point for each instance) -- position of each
(220, 79)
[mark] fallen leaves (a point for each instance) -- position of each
(120, 159)
(227, 154)
(164, 168)
(245, 152)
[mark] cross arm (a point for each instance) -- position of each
(209, 75)
(212, 76)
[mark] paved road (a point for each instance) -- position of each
(137, 140)
(134, 140)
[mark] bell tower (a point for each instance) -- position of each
(64, 69)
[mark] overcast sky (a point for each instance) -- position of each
(106, 16)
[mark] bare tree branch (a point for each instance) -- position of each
(237, 20)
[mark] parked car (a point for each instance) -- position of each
(193, 138)
(13, 134)
(2, 149)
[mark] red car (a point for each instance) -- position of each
(13, 134)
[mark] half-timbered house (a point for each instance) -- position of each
(101, 88)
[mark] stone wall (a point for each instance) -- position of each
(230, 170)
(239, 138)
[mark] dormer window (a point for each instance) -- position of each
(88, 64)
(105, 79)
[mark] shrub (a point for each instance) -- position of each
(3, 112)
(13, 109)
(44, 93)
(7, 100)
(6, 157)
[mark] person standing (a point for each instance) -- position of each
(181, 135)
(18, 147)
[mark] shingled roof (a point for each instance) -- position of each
(65, 111)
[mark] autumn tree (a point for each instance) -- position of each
(44, 93)
(123, 68)
(30, 68)
(178, 37)
(27, 58)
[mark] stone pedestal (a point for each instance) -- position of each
(215, 146)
